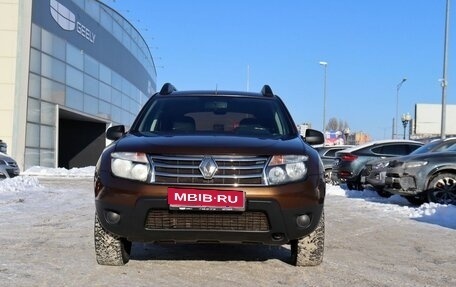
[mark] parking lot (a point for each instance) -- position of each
(47, 239)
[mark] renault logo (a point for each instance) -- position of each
(208, 167)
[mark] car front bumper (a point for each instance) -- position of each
(403, 185)
(270, 215)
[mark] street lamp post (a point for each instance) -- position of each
(396, 120)
(444, 78)
(325, 65)
(406, 118)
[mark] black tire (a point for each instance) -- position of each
(109, 248)
(308, 251)
(383, 193)
(355, 185)
(415, 199)
(442, 189)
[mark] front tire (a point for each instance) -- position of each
(442, 189)
(109, 248)
(382, 192)
(415, 199)
(308, 251)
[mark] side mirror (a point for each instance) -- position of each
(115, 132)
(314, 137)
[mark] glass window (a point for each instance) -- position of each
(104, 108)
(116, 97)
(126, 40)
(32, 138)
(116, 81)
(47, 137)
(36, 36)
(90, 105)
(52, 68)
(32, 157)
(48, 114)
(125, 103)
(75, 99)
(105, 92)
(90, 86)
(33, 110)
(117, 31)
(75, 57)
(52, 91)
(394, 149)
(126, 87)
(35, 61)
(105, 74)
(90, 66)
(116, 114)
(106, 20)
(74, 78)
(34, 86)
(125, 117)
(93, 9)
(47, 158)
(52, 45)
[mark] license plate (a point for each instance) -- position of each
(206, 199)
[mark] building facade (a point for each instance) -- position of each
(69, 69)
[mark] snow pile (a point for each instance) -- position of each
(19, 183)
(445, 215)
(60, 172)
(15, 190)
(439, 214)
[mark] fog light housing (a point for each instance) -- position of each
(112, 217)
(303, 220)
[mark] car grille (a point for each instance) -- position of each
(232, 170)
(172, 220)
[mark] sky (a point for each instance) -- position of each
(27, 186)
(370, 46)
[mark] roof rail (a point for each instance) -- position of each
(167, 89)
(267, 91)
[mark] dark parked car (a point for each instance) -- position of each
(349, 163)
(424, 177)
(8, 166)
(327, 155)
(374, 172)
(210, 166)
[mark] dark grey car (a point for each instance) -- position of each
(374, 172)
(327, 155)
(8, 167)
(349, 163)
(424, 177)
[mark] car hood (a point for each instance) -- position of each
(210, 144)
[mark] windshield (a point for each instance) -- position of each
(435, 146)
(243, 116)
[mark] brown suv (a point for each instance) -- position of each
(210, 166)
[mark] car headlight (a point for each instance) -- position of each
(415, 164)
(286, 168)
(130, 165)
(381, 165)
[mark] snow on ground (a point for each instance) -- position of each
(16, 189)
